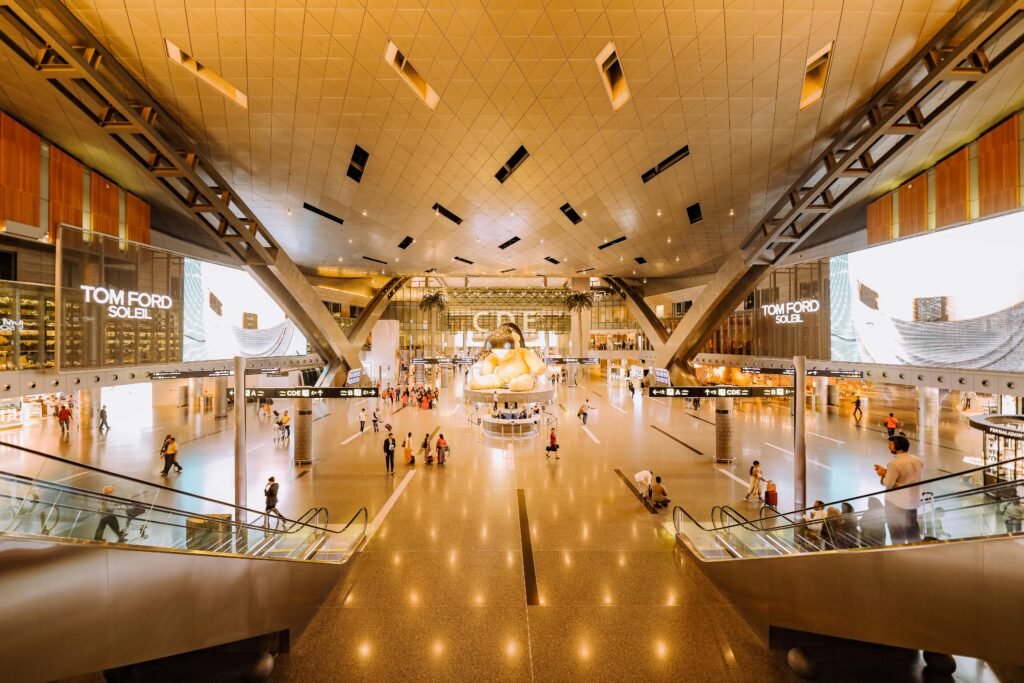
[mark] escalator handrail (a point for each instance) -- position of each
(919, 484)
(125, 477)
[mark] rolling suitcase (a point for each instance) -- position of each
(771, 495)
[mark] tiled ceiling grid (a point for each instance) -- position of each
(721, 77)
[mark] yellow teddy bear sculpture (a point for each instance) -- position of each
(509, 365)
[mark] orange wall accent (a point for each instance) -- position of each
(104, 205)
(136, 218)
(999, 169)
(952, 190)
(67, 191)
(880, 220)
(20, 159)
(914, 206)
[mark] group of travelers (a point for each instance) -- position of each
(425, 397)
(426, 451)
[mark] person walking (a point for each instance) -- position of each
(552, 445)
(286, 425)
(1013, 515)
(410, 459)
(756, 477)
(442, 449)
(582, 412)
(362, 420)
(64, 419)
(495, 401)
(169, 452)
(891, 423)
(270, 493)
(425, 446)
(858, 414)
(376, 420)
(389, 453)
(107, 517)
(103, 419)
(632, 389)
(903, 470)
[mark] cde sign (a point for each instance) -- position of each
(125, 304)
(791, 311)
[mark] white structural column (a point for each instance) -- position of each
(88, 408)
(799, 432)
(821, 393)
(220, 398)
(195, 393)
(241, 494)
(302, 439)
(723, 430)
(927, 407)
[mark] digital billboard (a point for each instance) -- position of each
(228, 314)
(950, 299)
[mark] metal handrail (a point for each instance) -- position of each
(919, 484)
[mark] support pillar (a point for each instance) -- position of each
(220, 398)
(723, 430)
(927, 407)
(88, 409)
(195, 393)
(570, 375)
(240, 461)
(445, 370)
(822, 391)
(302, 440)
(799, 433)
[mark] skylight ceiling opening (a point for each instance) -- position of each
(612, 243)
(815, 76)
(514, 162)
(441, 211)
(412, 78)
(205, 74)
(612, 76)
(666, 163)
(570, 213)
(358, 164)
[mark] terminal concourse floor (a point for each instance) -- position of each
(440, 591)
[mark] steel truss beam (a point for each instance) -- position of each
(50, 39)
(981, 37)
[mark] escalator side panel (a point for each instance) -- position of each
(959, 598)
(72, 608)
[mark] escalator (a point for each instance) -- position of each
(100, 570)
(956, 591)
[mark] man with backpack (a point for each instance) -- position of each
(891, 423)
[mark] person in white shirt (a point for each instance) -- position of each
(901, 505)
(362, 420)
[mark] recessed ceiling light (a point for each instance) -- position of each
(340, 259)
(350, 241)
(289, 211)
(584, 213)
(677, 258)
(364, 212)
(659, 213)
(670, 240)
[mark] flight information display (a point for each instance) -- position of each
(720, 392)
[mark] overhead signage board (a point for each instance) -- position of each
(312, 392)
(559, 360)
(464, 361)
(220, 372)
(661, 376)
(354, 376)
(720, 392)
(431, 361)
(845, 374)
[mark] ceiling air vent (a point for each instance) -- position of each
(404, 244)
(666, 163)
(412, 78)
(430, 270)
(611, 75)
(641, 260)
(552, 260)
(438, 209)
(463, 260)
(613, 242)
(320, 212)
(570, 213)
(508, 270)
(509, 243)
(512, 164)
(815, 76)
(358, 164)
(375, 260)
(694, 214)
(585, 270)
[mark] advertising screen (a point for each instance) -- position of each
(228, 314)
(952, 299)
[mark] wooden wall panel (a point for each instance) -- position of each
(914, 206)
(880, 220)
(104, 205)
(67, 191)
(136, 218)
(999, 169)
(20, 159)
(953, 190)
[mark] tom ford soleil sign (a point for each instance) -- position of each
(127, 304)
(791, 312)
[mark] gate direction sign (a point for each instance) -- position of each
(720, 392)
(558, 360)
(847, 374)
(312, 392)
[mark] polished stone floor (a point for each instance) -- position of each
(443, 590)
